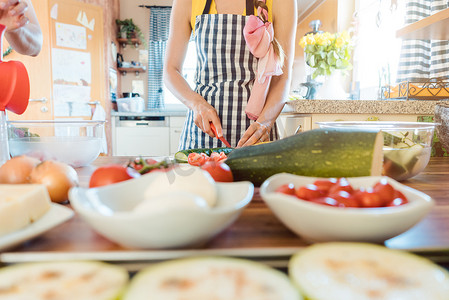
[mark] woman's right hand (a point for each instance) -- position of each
(204, 113)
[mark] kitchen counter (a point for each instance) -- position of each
(152, 113)
(414, 107)
(257, 234)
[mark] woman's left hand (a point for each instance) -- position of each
(256, 133)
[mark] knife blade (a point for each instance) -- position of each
(212, 126)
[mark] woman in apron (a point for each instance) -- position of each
(227, 69)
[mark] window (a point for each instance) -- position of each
(377, 50)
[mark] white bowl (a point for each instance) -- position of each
(74, 142)
(108, 210)
(320, 223)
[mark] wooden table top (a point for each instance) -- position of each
(256, 234)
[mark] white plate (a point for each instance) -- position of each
(55, 216)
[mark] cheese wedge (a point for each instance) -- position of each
(358, 271)
(206, 278)
(64, 280)
(21, 204)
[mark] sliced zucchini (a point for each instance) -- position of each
(359, 271)
(206, 278)
(62, 281)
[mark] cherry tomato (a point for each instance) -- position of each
(341, 185)
(309, 192)
(111, 174)
(288, 189)
(325, 201)
(385, 190)
(219, 171)
(399, 199)
(325, 185)
(344, 199)
(197, 159)
(368, 198)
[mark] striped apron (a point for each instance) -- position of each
(225, 74)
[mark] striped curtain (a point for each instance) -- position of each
(159, 28)
(421, 60)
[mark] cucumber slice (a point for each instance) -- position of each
(359, 271)
(206, 278)
(62, 281)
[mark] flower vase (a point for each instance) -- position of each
(332, 88)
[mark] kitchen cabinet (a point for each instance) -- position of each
(435, 27)
(144, 135)
(176, 125)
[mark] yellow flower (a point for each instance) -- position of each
(323, 39)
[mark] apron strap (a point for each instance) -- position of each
(207, 7)
(249, 7)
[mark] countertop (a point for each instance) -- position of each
(151, 113)
(413, 107)
(257, 234)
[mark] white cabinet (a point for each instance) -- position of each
(142, 141)
(176, 125)
(146, 136)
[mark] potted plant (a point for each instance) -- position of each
(129, 30)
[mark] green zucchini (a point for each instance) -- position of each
(354, 271)
(318, 153)
(181, 156)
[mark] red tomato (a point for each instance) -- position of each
(399, 199)
(218, 156)
(197, 159)
(368, 198)
(344, 199)
(288, 189)
(309, 192)
(111, 174)
(325, 185)
(219, 171)
(341, 185)
(325, 201)
(385, 190)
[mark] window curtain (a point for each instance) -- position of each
(159, 28)
(421, 60)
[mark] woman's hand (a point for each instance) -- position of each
(204, 113)
(12, 14)
(257, 132)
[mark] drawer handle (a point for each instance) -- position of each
(143, 124)
(299, 129)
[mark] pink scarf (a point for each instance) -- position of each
(258, 36)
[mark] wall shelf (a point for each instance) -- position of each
(123, 71)
(134, 41)
(434, 27)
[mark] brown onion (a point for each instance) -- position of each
(58, 177)
(18, 169)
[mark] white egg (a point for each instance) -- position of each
(189, 179)
(171, 200)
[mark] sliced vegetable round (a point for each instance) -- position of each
(356, 271)
(62, 280)
(218, 278)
